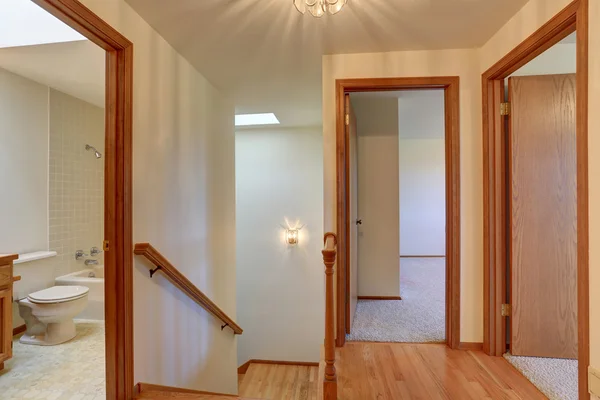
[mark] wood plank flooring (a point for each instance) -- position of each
(390, 371)
(280, 382)
(386, 371)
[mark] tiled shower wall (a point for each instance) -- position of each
(76, 180)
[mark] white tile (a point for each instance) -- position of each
(70, 370)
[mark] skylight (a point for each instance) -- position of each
(23, 23)
(256, 119)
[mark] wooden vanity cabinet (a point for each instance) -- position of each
(6, 320)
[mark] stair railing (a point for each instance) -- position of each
(184, 284)
(330, 379)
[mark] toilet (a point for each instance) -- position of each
(49, 314)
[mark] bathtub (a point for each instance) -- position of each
(95, 308)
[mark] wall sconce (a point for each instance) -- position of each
(292, 232)
(291, 236)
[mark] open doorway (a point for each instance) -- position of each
(66, 82)
(536, 237)
(349, 218)
(542, 224)
(398, 197)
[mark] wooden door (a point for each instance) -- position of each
(543, 216)
(352, 280)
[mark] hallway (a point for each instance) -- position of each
(418, 318)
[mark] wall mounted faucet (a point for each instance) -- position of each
(94, 251)
(79, 254)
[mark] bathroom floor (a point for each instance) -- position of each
(72, 370)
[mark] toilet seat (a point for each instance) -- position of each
(58, 294)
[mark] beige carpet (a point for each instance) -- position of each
(555, 377)
(420, 315)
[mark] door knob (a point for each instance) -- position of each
(359, 222)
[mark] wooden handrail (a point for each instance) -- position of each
(183, 283)
(330, 379)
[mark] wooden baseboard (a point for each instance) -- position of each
(244, 367)
(19, 329)
(470, 346)
(422, 256)
(150, 387)
(379, 298)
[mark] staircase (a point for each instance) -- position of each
(262, 379)
(279, 382)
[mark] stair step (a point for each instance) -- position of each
(161, 395)
(280, 382)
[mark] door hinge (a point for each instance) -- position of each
(504, 108)
(105, 245)
(347, 119)
(506, 310)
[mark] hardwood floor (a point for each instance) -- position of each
(159, 395)
(280, 382)
(390, 371)
(385, 371)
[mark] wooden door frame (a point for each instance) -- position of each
(118, 259)
(450, 84)
(572, 18)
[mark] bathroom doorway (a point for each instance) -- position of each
(66, 143)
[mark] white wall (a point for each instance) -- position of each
(280, 288)
(422, 197)
(184, 204)
(23, 164)
(378, 235)
(462, 63)
(422, 173)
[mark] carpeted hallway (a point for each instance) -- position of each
(420, 315)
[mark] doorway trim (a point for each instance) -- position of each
(118, 246)
(572, 18)
(450, 84)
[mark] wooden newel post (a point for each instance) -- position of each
(330, 380)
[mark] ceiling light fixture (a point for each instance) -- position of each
(256, 119)
(318, 8)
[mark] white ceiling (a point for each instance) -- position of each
(558, 59)
(268, 56)
(23, 23)
(75, 68)
(420, 113)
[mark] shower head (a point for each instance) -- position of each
(88, 147)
